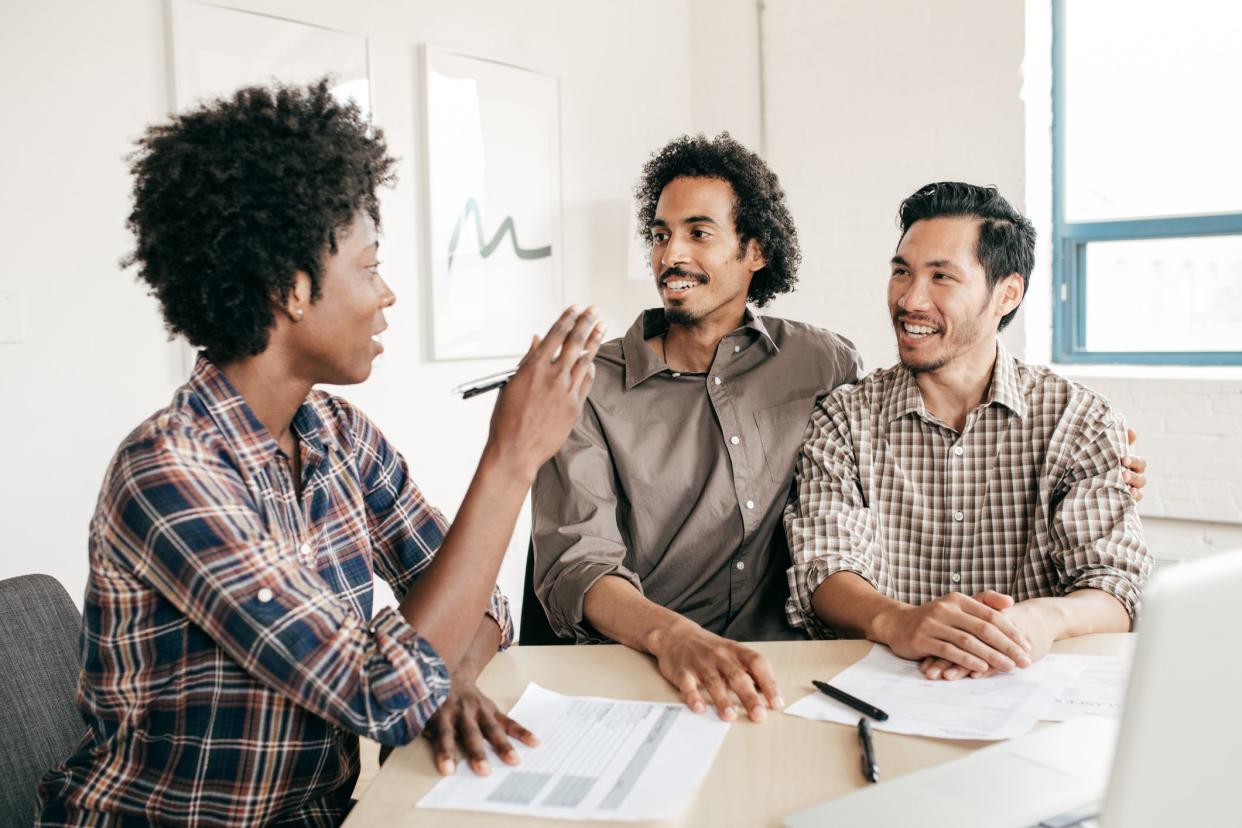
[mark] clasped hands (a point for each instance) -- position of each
(960, 635)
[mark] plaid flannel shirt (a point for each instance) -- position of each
(229, 651)
(1028, 499)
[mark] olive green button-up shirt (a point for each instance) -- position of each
(677, 481)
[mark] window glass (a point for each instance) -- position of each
(1153, 125)
(1173, 295)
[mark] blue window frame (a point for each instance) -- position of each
(1071, 240)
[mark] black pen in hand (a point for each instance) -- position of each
(484, 384)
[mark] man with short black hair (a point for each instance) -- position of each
(962, 507)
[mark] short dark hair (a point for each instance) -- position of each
(1006, 237)
(234, 197)
(759, 211)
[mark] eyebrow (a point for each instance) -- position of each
(945, 263)
(687, 220)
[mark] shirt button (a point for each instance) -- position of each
(750, 504)
(677, 373)
(737, 348)
(264, 595)
(958, 516)
(956, 577)
(741, 565)
(735, 439)
(305, 550)
(718, 380)
(958, 450)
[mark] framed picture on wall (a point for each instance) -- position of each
(492, 144)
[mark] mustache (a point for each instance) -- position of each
(916, 319)
(677, 270)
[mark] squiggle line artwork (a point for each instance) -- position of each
(471, 208)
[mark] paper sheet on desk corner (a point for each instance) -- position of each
(1099, 689)
(997, 707)
(598, 758)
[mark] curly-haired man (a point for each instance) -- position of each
(657, 525)
(230, 654)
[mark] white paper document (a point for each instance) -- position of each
(1099, 690)
(997, 707)
(597, 759)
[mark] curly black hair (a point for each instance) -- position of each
(759, 210)
(233, 198)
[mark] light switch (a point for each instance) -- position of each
(12, 317)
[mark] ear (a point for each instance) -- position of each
(755, 259)
(299, 298)
(1010, 291)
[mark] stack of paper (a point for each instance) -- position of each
(597, 759)
(1001, 706)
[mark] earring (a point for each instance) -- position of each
(299, 313)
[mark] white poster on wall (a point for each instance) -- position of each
(493, 173)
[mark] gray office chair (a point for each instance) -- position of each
(39, 722)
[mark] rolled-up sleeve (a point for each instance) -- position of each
(405, 530)
(1096, 532)
(576, 536)
(182, 519)
(828, 523)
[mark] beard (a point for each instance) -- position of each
(965, 336)
(679, 315)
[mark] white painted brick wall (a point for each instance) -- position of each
(1190, 431)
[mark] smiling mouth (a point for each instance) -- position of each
(917, 330)
(677, 287)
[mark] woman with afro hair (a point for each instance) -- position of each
(230, 655)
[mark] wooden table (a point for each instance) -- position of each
(763, 771)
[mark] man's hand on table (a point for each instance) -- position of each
(707, 668)
(973, 633)
(465, 723)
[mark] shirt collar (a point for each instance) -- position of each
(238, 422)
(904, 396)
(642, 362)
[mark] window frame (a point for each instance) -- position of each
(1070, 241)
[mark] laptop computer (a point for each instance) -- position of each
(1173, 756)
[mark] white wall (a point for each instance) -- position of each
(80, 80)
(866, 102)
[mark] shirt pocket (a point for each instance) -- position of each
(781, 429)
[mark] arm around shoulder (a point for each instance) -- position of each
(1097, 537)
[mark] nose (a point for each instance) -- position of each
(915, 296)
(386, 296)
(676, 252)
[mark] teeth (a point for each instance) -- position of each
(678, 285)
(918, 329)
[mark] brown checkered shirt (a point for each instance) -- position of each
(1028, 499)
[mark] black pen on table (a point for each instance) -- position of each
(850, 701)
(870, 768)
(484, 384)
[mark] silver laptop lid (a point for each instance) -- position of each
(1177, 758)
